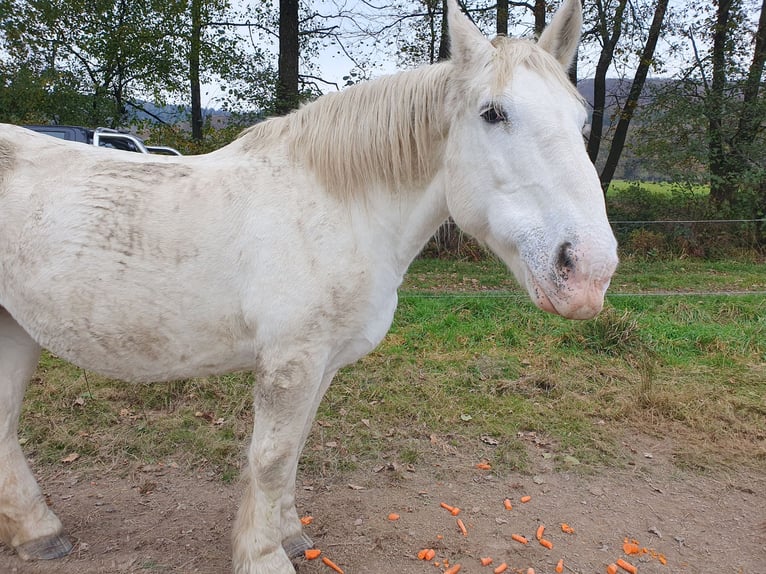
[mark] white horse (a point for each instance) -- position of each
(282, 252)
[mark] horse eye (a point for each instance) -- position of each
(493, 115)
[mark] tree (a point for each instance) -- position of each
(729, 153)
(707, 123)
(636, 87)
(608, 27)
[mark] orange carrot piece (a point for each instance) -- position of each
(627, 566)
(547, 543)
(484, 466)
(630, 548)
(566, 528)
(611, 569)
(539, 533)
(312, 553)
(332, 565)
(453, 510)
(507, 504)
(560, 566)
(526, 498)
(530, 570)
(427, 554)
(461, 526)
(393, 516)
(453, 569)
(501, 568)
(306, 520)
(519, 538)
(662, 559)
(486, 561)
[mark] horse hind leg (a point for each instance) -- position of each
(26, 522)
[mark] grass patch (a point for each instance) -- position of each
(468, 367)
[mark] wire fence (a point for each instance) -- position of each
(686, 221)
(520, 296)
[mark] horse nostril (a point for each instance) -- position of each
(565, 260)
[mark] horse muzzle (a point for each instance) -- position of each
(576, 284)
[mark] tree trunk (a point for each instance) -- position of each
(444, 39)
(502, 18)
(609, 40)
(721, 186)
(287, 76)
(194, 67)
(626, 115)
(539, 13)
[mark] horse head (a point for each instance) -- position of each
(518, 176)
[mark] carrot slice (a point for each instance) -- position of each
(519, 538)
(453, 569)
(611, 569)
(547, 543)
(630, 548)
(461, 526)
(507, 504)
(501, 568)
(332, 565)
(393, 516)
(560, 566)
(312, 553)
(486, 561)
(526, 498)
(540, 530)
(566, 528)
(306, 520)
(627, 566)
(484, 466)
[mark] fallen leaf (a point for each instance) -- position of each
(70, 457)
(489, 440)
(465, 417)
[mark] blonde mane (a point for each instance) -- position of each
(387, 132)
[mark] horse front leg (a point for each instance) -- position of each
(283, 402)
(294, 541)
(26, 522)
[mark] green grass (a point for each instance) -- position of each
(657, 187)
(469, 361)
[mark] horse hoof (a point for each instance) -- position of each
(296, 545)
(45, 548)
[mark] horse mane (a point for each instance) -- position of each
(388, 131)
(384, 132)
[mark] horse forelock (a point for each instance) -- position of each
(510, 53)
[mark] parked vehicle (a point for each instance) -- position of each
(103, 137)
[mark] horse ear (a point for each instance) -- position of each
(464, 37)
(562, 36)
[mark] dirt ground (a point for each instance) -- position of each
(162, 519)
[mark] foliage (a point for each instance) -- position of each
(637, 211)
